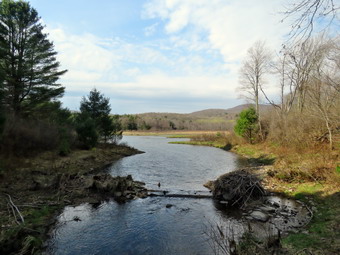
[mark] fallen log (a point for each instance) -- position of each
(165, 193)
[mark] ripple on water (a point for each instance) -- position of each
(147, 226)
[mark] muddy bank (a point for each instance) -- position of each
(34, 190)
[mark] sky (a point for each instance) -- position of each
(158, 55)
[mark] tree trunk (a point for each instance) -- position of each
(330, 135)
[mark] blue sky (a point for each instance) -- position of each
(158, 55)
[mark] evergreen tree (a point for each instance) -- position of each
(2, 115)
(98, 108)
(96, 105)
(246, 124)
(86, 130)
(27, 59)
(132, 123)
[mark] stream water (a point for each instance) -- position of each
(154, 225)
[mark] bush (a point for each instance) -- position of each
(66, 140)
(26, 136)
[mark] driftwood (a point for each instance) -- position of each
(15, 210)
(237, 188)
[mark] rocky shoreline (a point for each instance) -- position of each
(38, 188)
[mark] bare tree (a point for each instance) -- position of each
(307, 13)
(324, 102)
(252, 72)
(323, 93)
(296, 66)
(309, 80)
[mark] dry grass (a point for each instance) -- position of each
(170, 133)
(313, 164)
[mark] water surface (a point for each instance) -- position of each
(148, 226)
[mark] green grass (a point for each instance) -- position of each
(179, 136)
(246, 151)
(215, 144)
(304, 190)
(323, 236)
(39, 216)
(254, 155)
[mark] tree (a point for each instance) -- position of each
(246, 124)
(252, 73)
(27, 59)
(98, 108)
(132, 123)
(2, 115)
(323, 92)
(308, 13)
(86, 130)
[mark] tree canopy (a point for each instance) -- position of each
(27, 59)
(97, 108)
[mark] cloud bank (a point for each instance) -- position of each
(188, 59)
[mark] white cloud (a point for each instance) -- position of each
(81, 52)
(232, 26)
(150, 30)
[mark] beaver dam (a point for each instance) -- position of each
(178, 212)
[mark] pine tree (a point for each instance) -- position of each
(27, 59)
(98, 108)
(246, 124)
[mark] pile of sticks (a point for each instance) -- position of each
(238, 188)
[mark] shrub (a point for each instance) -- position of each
(26, 136)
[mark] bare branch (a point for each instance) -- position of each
(307, 13)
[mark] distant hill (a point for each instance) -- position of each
(209, 119)
(223, 112)
(210, 113)
(239, 108)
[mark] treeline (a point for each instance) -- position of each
(308, 77)
(31, 116)
(176, 121)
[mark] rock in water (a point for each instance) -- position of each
(260, 216)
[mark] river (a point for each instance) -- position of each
(154, 225)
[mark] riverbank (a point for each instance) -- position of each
(34, 190)
(310, 175)
(172, 133)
